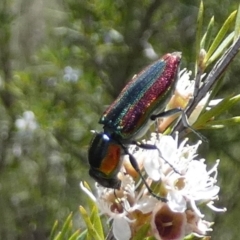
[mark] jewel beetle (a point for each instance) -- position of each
(128, 118)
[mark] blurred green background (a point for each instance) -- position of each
(62, 63)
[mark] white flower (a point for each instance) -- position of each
(120, 205)
(71, 75)
(174, 172)
(182, 174)
(113, 36)
(27, 122)
(184, 177)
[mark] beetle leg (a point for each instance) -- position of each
(183, 118)
(134, 163)
(154, 147)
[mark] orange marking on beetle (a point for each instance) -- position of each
(111, 160)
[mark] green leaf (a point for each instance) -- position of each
(223, 106)
(67, 226)
(223, 123)
(207, 36)
(58, 237)
(75, 235)
(83, 235)
(93, 234)
(54, 230)
(237, 24)
(96, 220)
(199, 33)
(142, 232)
(221, 49)
(65, 231)
(94, 216)
(220, 36)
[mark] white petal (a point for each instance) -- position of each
(87, 191)
(211, 206)
(145, 204)
(152, 166)
(168, 148)
(176, 202)
(121, 229)
(207, 194)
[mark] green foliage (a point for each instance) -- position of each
(93, 224)
(66, 231)
(142, 232)
(214, 52)
(218, 39)
(218, 45)
(225, 105)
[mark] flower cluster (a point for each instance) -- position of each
(174, 173)
(27, 122)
